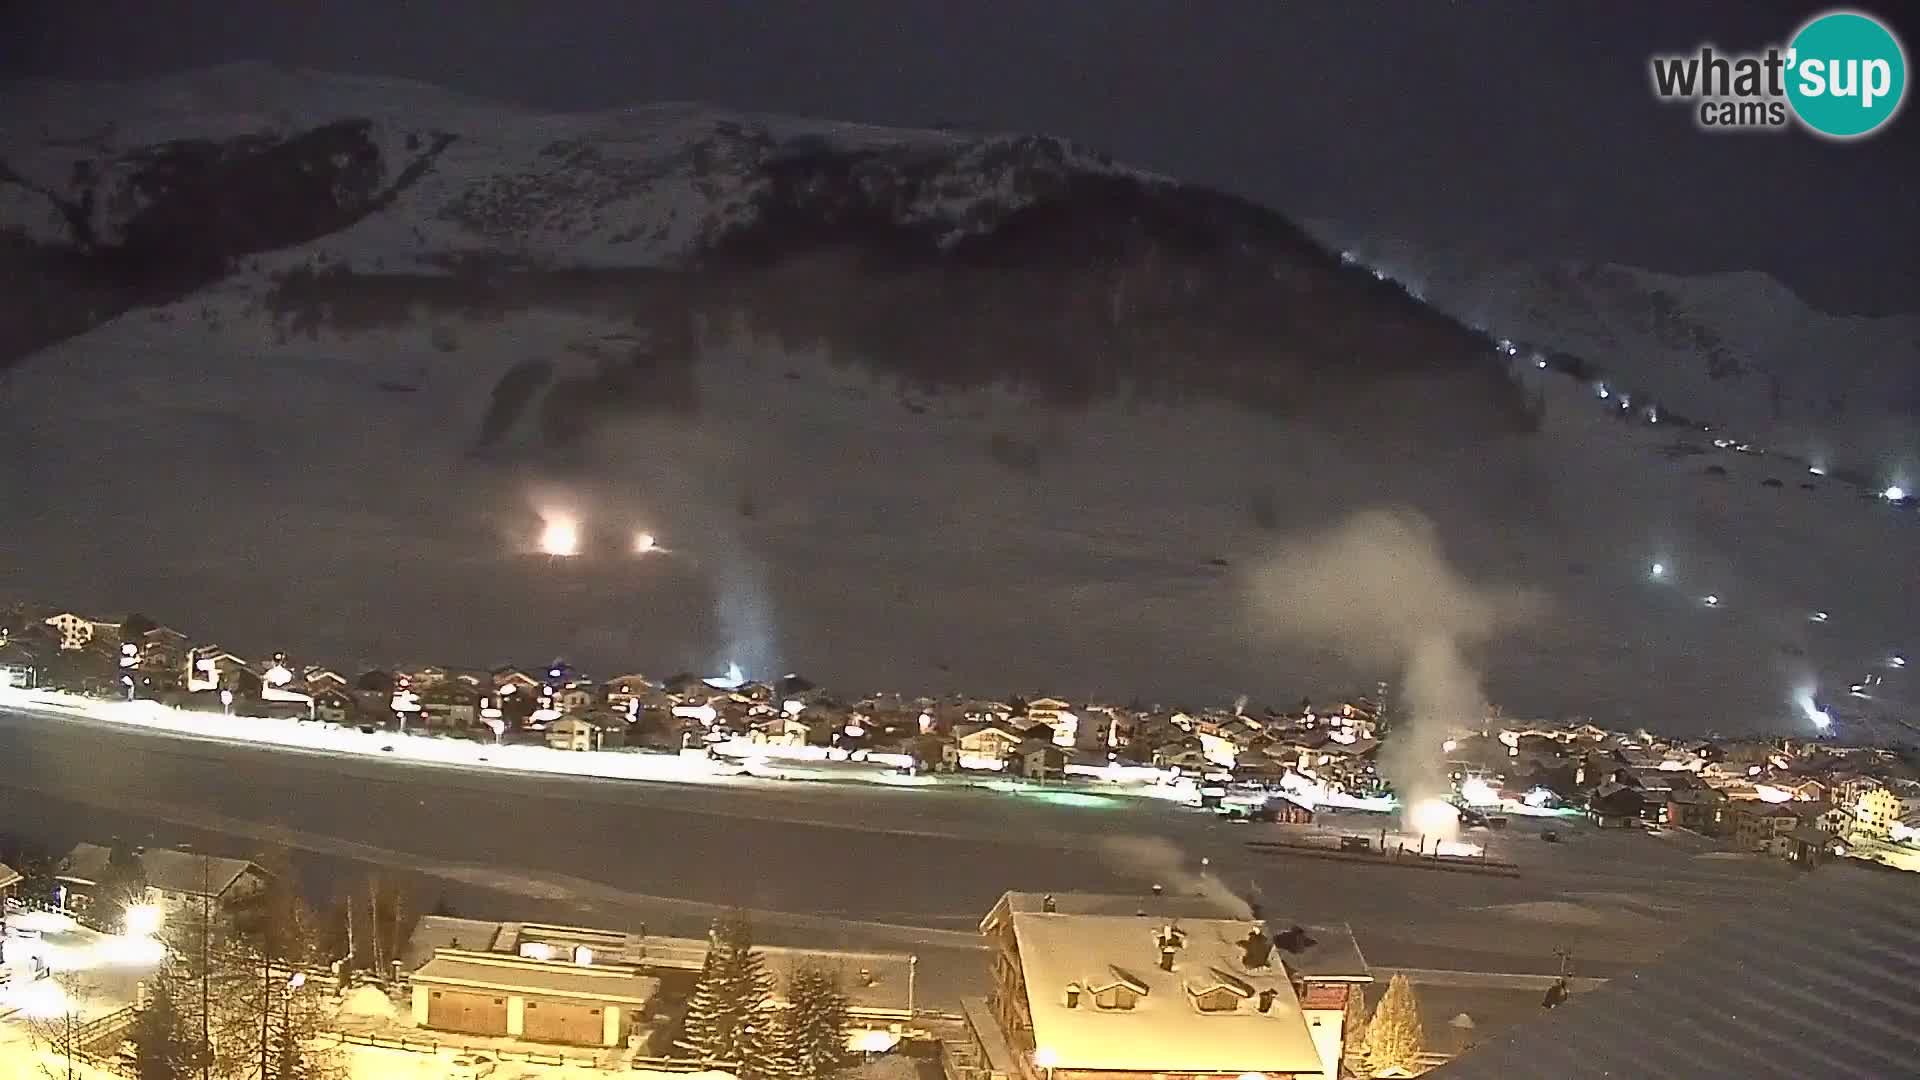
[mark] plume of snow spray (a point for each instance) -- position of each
(742, 607)
(1379, 587)
(1154, 859)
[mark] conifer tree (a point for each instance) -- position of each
(165, 1033)
(816, 1024)
(1394, 1036)
(732, 988)
(1353, 1035)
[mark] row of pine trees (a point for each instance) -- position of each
(729, 1020)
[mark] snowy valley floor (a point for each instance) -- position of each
(837, 866)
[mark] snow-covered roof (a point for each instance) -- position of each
(494, 971)
(8, 876)
(1164, 1030)
(1162, 906)
(436, 932)
(1324, 951)
(188, 873)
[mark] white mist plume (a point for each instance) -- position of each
(1158, 861)
(1380, 587)
(742, 606)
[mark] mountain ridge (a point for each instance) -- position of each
(1740, 348)
(1016, 249)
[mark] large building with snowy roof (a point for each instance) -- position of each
(1105, 987)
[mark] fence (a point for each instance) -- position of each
(98, 1029)
(432, 1046)
(684, 1065)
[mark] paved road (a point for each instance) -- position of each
(859, 866)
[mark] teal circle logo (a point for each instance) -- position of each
(1846, 76)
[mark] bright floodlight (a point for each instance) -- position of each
(1477, 792)
(1894, 493)
(1657, 571)
(1817, 470)
(560, 537)
(1819, 616)
(644, 542)
(143, 920)
(1433, 817)
(1815, 713)
(1711, 600)
(1897, 661)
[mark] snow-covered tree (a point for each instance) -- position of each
(1394, 1036)
(1353, 1035)
(768, 1049)
(816, 1024)
(166, 1032)
(732, 989)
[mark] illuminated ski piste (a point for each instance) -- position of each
(738, 762)
(380, 745)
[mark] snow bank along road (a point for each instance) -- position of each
(862, 866)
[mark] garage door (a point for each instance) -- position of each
(473, 1013)
(563, 1022)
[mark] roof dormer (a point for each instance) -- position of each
(1218, 991)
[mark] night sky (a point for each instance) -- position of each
(1522, 127)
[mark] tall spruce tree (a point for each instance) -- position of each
(1394, 1037)
(732, 988)
(816, 1024)
(768, 1048)
(166, 1034)
(1353, 1035)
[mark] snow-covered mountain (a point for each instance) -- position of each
(1738, 348)
(361, 198)
(301, 361)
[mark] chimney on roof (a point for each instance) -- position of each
(1073, 997)
(1266, 1000)
(1048, 905)
(1157, 890)
(1166, 956)
(1256, 950)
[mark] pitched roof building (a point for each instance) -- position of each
(1088, 987)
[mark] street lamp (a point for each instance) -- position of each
(142, 920)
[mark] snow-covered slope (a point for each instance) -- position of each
(1739, 349)
(907, 409)
(641, 186)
